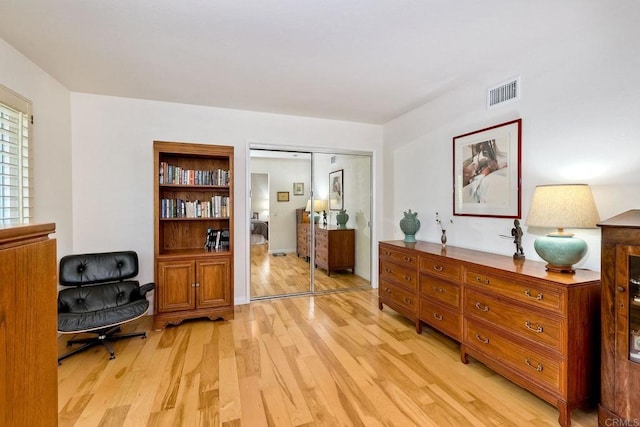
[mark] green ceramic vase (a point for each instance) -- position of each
(410, 225)
(341, 218)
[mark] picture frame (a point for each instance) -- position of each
(298, 188)
(487, 172)
(336, 190)
(283, 196)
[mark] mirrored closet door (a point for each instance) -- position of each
(310, 216)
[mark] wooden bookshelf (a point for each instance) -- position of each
(193, 194)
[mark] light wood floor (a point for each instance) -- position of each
(284, 275)
(330, 360)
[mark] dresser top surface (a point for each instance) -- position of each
(535, 269)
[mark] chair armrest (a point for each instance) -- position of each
(147, 287)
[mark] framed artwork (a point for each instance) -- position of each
(486, 171)
(336, 190)
(298, 188)
(283, 196)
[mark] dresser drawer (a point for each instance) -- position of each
(321, 237)
(400, 275)
(529, 324)
(526, 361)
(444, 319)
(398, 256)
(398, 296)
(441, 267)
(533, 294)
(440, 290)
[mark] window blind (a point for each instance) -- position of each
(15, 166)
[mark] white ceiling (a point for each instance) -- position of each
(357, 60)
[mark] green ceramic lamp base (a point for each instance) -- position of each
(560, 251)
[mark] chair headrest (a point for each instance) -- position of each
(88, 269)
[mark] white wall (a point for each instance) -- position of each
(580, 110)
(113, 167)
(51, 139)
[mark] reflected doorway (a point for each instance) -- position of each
(292, 250)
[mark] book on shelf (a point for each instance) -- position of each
(217, 240)
(170, 174)
(216, 207)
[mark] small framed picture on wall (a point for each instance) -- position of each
(298, 188)
(283, 196)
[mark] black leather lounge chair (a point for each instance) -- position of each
(100, 297)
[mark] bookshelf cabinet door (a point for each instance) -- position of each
(176, 286)
(214, 282)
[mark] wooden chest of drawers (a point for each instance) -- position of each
(303, 239)
(335, 248)
(537, 328)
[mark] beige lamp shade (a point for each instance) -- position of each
(563, 206)
(318, 205)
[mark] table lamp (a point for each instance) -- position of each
(562, 206)
(318, 206)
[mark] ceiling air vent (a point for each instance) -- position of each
(504, 93)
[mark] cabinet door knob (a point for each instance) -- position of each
(621, 289)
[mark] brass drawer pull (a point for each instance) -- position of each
(484, 281)
(387, 290)
(387, 253)
(482, 340)
(438, 316)
(387, 270)
(538, 367)
(407, 278)
(438, 268)
(482, 307)
(406, 258)
(528, 294)
(407, 300)
(439, 290)
(537, 330)
(620, 289)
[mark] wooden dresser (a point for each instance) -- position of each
(538, 329)
(303, 234)
(28, 321)
(335, 249)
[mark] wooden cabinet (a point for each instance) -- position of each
(335, 249)
(28, 319)
(193, 200)
(537, 328)
(620, 365)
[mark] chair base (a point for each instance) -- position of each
(105, 337)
